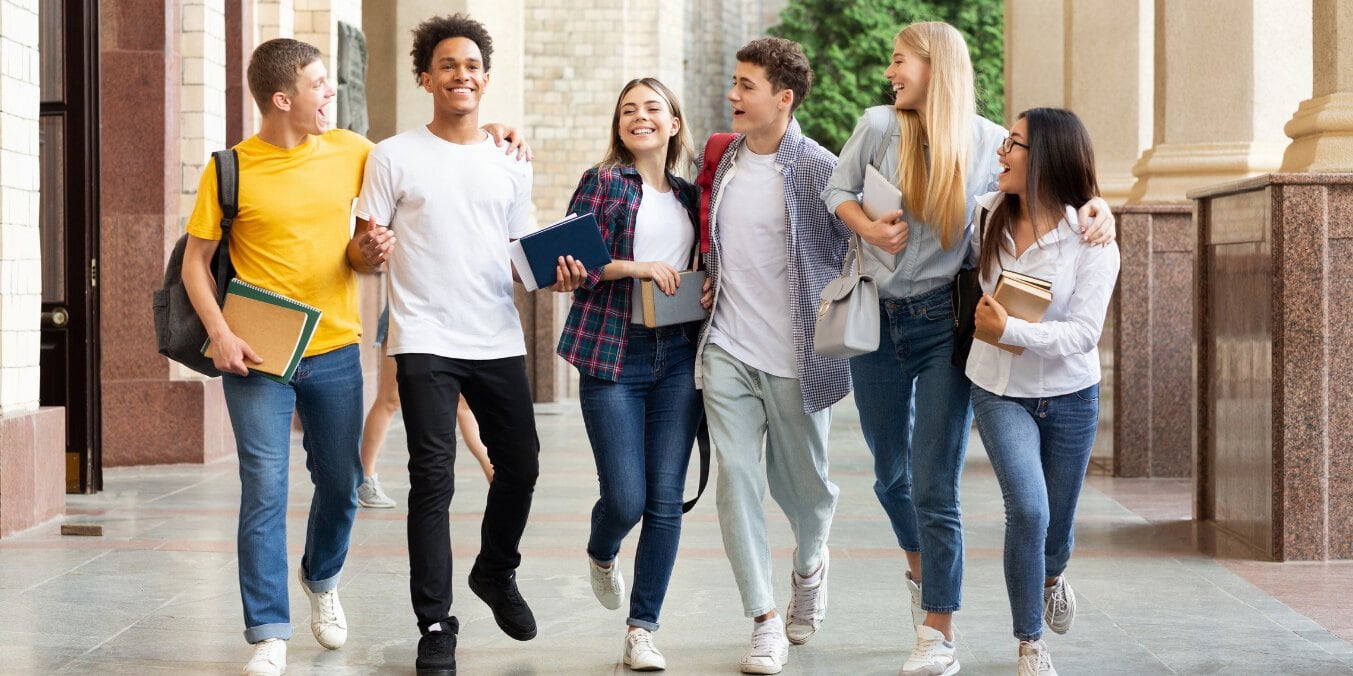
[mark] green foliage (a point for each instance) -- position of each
(849, 44)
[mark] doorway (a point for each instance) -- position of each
(68, 229)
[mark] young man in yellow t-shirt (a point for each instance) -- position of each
(297, 182)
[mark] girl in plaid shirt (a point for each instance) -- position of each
(637, 385)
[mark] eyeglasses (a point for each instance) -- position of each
(1009, 144)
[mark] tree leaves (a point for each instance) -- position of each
(849, 45)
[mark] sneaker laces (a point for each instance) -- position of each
(929, 648)
(766, 642)
(1055, 602)
(327, 614)
(805, 606)
(1038, 660)
(437, 648)
(270, 650)
(641, 641)
(608, 578)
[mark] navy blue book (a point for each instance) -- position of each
(537, 254)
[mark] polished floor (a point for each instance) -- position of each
(157, 592)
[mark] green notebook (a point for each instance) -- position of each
(278, 328)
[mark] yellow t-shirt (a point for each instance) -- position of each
(292, 230)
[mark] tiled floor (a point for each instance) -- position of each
(157, 592)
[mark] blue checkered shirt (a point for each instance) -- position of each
(815, 243)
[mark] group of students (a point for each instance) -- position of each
(437, 207)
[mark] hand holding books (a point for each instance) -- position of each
(1016, 295)
(882, 204)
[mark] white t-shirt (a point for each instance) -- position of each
(662, 229)
(453, 209)
(751, 318)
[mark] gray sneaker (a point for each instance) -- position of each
(1059, 606)
(369, 494)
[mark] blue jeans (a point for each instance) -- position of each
(1039, 449)
(642, 429)
(914, 412)
(326, 392)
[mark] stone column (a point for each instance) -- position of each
(32, 439)
(1035, 55)
(149, 415)
(1227, 74)
(1109, 84)
(1322, 129)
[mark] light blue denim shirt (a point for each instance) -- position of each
(924, 265)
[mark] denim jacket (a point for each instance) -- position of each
(816, 246)
(924, 265)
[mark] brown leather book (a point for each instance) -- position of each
(1022, 296)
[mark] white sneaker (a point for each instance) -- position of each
(607, 584)
(917, 612)
(370, 494)
(1035, 660)
(769, 650)
(270, 658)
(327, 621)
(807, 604)
(1059, 606)
(933, 656)
(640, 653)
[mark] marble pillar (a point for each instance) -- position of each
(1322, 129)
(150, 413)
(1207, 129)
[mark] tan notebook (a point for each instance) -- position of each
(276, 327)
(1022, 296)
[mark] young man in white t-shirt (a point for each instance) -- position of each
(454, 201)
(774, 246)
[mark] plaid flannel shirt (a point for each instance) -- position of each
(815, 244)
(598, 324)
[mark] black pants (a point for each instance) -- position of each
(496, 390)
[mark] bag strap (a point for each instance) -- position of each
(852, 254)
(702, 441)
(228, 194)
(715, 147)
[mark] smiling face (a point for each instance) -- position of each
(644, 122)
(457, 77)
(1014, 178)
(909, 74)
(305, 108)
(758, 110)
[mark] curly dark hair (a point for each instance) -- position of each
(785, 63)
(430, 33)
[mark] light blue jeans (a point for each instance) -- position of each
(1039, 449)
(326, 392)
(914, 412)
(642, 429)
(746, 407)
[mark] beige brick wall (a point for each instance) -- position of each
(20, 251)
(201, 93)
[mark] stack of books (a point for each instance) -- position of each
(1022, 296)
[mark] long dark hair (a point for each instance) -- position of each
(1061, 170)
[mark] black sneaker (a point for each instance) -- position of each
(437, 654)
(509, 608)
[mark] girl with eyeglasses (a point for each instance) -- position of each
(913, 400)
(1037, 411)
(637, 384)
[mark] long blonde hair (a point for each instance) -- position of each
(938, 195)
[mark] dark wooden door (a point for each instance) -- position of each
(68, 227)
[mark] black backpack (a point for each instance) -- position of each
(179, 333)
